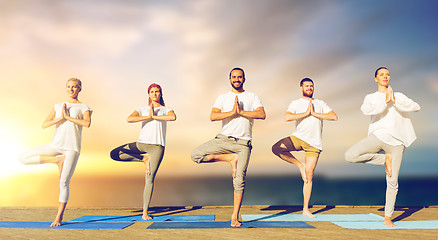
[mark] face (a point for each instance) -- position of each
(307, 89)
(236, 79)
(73, 89)
(155, 94)
(383, 77)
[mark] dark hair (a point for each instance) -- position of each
(375, 74)
(305, 80)
(236, 68)
(161, 92)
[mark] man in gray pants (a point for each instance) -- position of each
(390, 130)
(237, 110)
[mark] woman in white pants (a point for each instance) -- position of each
(390, 131)
(68, 117)
(149, 148)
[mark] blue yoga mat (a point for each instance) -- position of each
(400, 225)
(100, 218)
(65, 225)
(211, 225)
(319, 217)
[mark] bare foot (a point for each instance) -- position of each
(146, 161)
(233, 163)
(56, 223)
(307, 213)
(303, 173)
(388, 164)
(235, 222)
(146, 217)
(388, 222)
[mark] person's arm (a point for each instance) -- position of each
(405, 104)
(373, 106)
(50, 119)
(289, 116)
(331, 116)
(86, 122)
(258, 113)
(326, 116)
(170, 116)
(217, 114)
(135, 117)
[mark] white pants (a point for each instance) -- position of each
(32, 156)
(366, 151)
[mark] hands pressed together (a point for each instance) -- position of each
(390, 95)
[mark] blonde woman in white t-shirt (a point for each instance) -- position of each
(149, 148)
(68, 118)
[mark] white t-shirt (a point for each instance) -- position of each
(309, 129)
(390, 122)
(153, 131)
(238, 127)
(68, 135)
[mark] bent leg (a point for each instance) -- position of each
(283, 150)
(156, 153)
(366, 151)
(41, 154)
(130, 152)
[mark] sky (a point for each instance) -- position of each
(118, 48)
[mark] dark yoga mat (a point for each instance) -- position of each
(211, 225)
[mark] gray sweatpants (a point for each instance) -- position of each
(133, 152)
(366, 151)
(226, 145)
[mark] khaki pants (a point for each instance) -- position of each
(222, 144)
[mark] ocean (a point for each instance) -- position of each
(260, 190)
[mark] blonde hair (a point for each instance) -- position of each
(76, 80)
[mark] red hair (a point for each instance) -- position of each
(154, 85)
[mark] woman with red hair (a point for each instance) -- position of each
(149, 148)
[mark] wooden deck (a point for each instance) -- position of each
(322, 230)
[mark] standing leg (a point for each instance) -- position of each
(239, 181)
(311, 162)
(283, 150)
(71, 159)
(392, 182)
(156, 153)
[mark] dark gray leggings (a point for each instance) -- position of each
(133, 152)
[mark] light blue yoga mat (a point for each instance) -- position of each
(101, 218)
(319, 217)
(400, 225)
(212, 225)
(65, 225)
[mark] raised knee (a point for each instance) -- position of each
(350, 156)
(197, 156)
(115, 154)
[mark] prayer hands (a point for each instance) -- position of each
(65, 112)
(389, 95)
(236, 107)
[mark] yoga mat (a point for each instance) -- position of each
(101, 218)
(211, 225)
(65, 225)
(319, 217)
(400, 225)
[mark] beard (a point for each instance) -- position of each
(309, 95)
(239, 88)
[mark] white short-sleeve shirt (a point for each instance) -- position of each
(238, 127)
(68, 135)
(153, 131)
(309, 129)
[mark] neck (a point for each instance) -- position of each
(156, 104)
(382, 89)
(73, 100)
(240, 90)
(307, 98)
